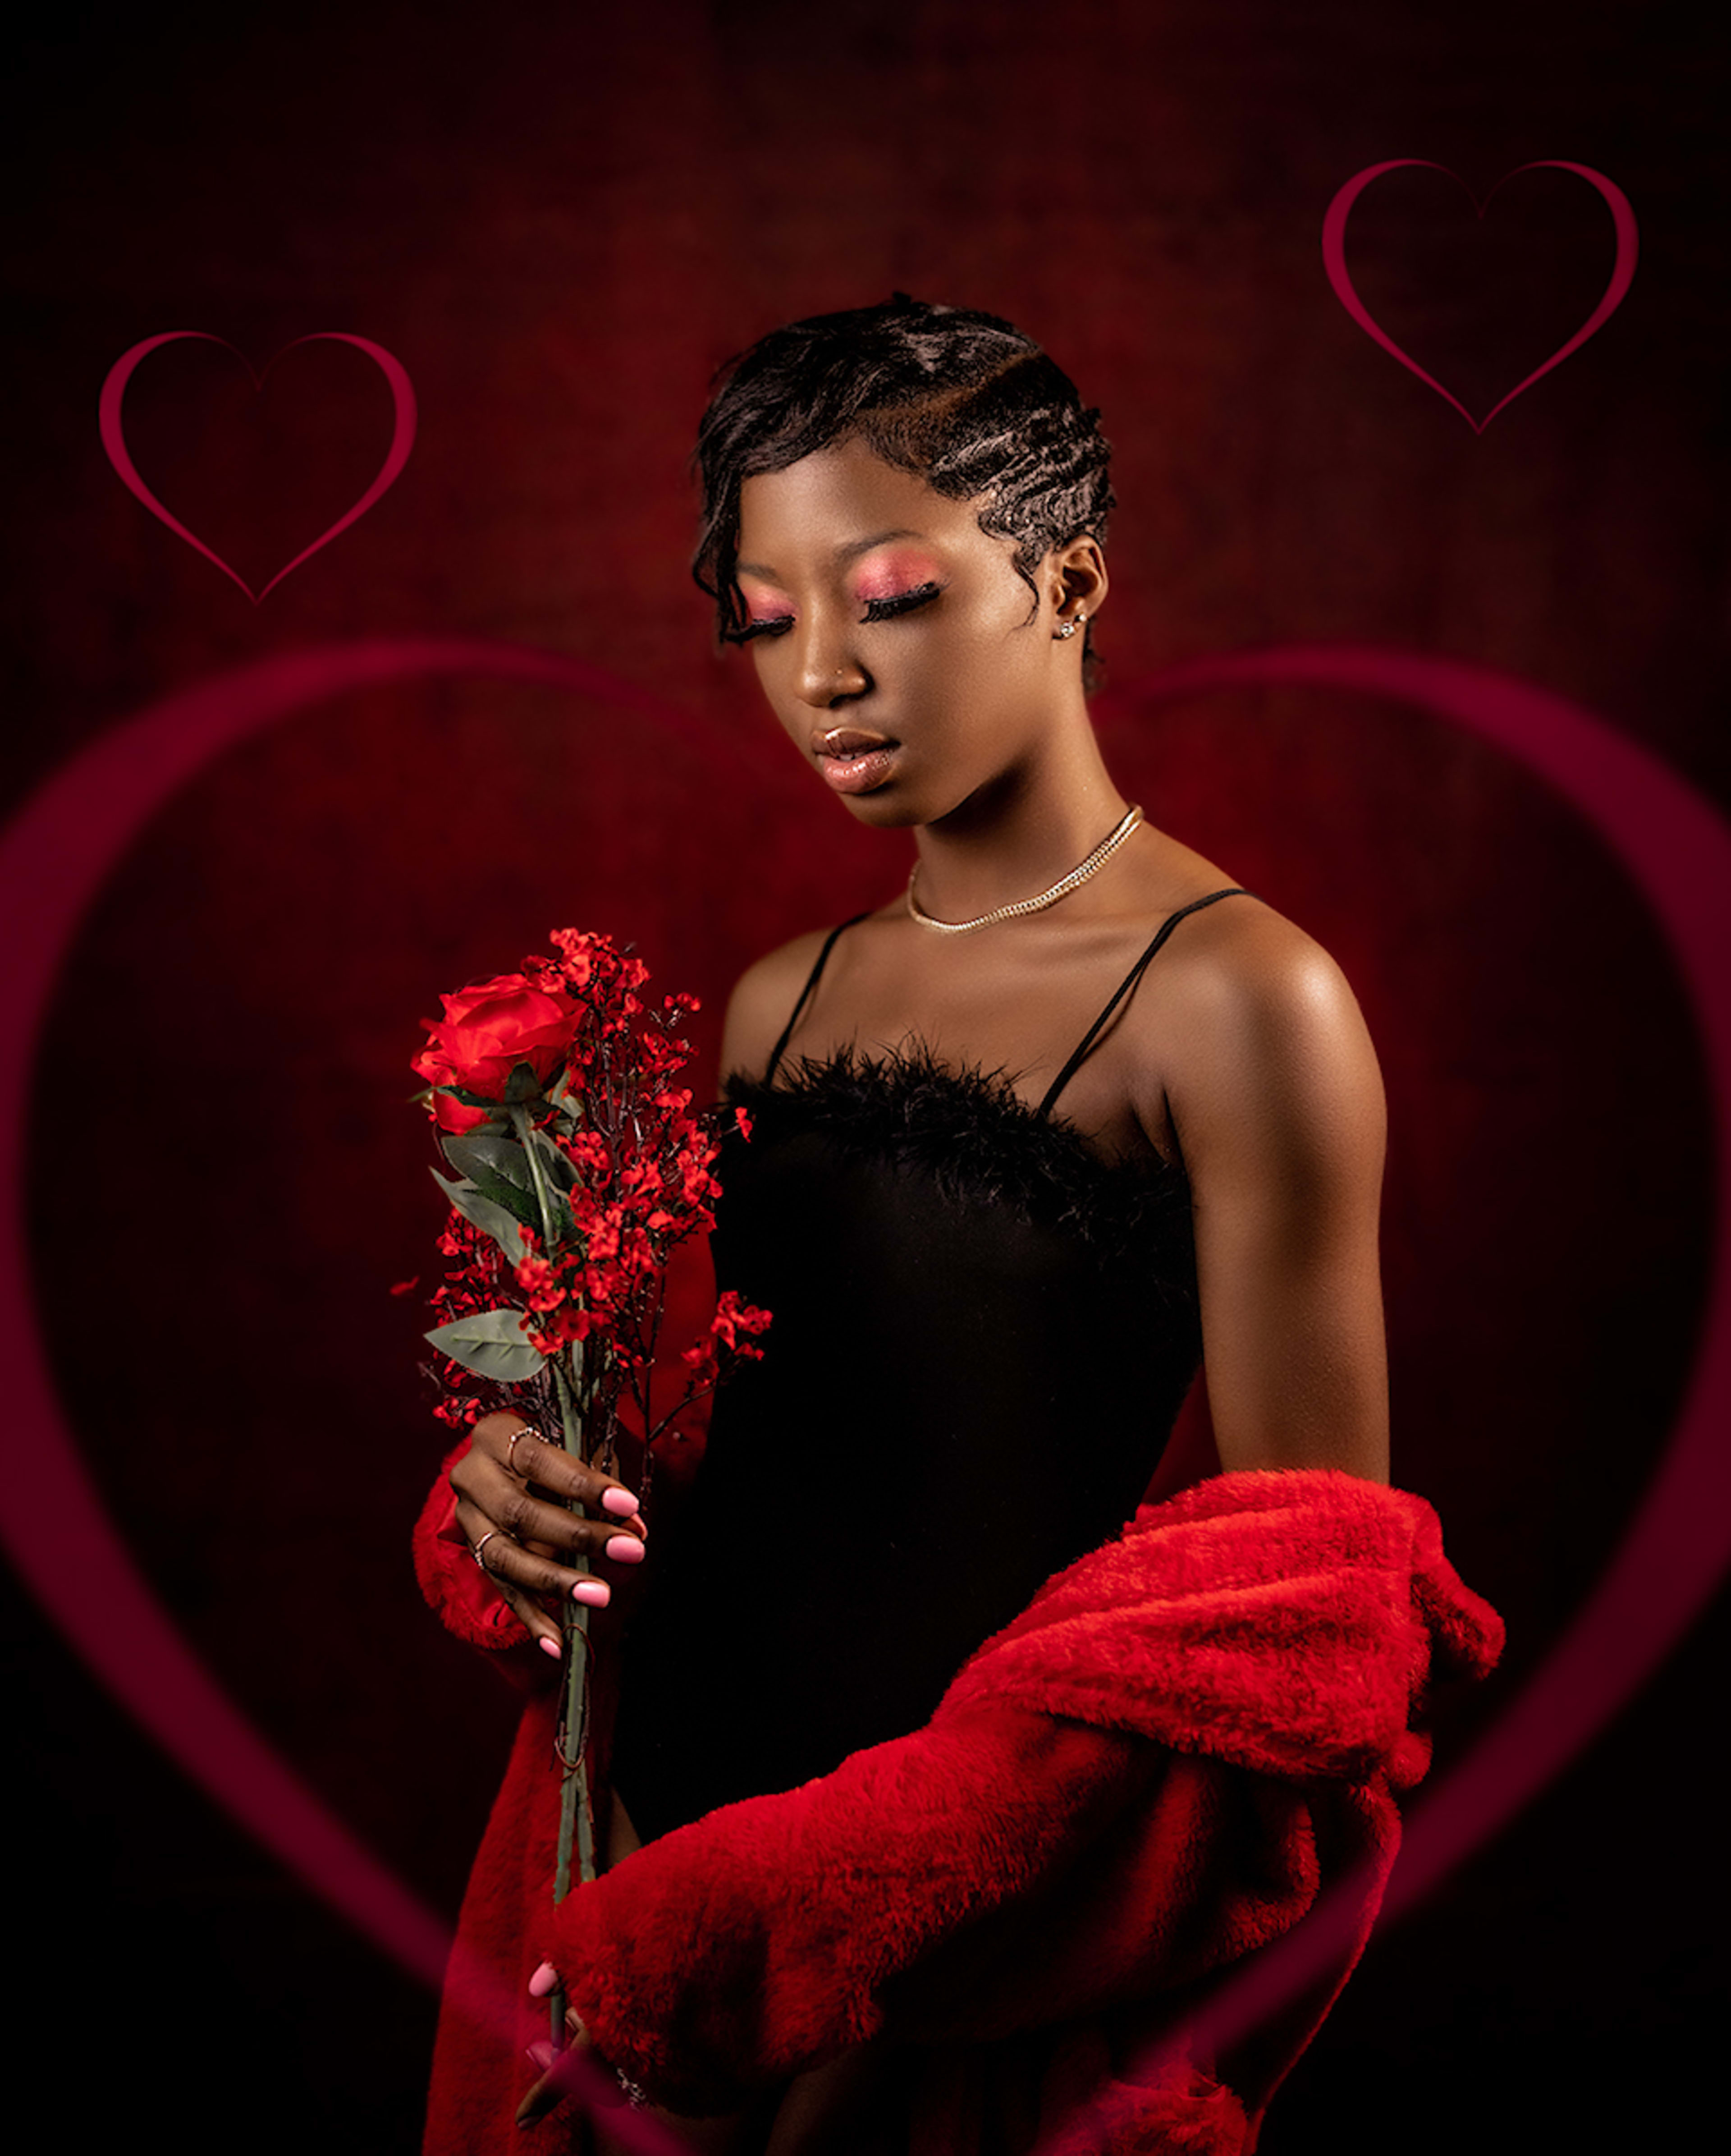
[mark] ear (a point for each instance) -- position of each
(1075, 580)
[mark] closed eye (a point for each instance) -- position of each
(903, 603)
(776, 626)
(875, 610)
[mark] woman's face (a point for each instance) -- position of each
(892, 635)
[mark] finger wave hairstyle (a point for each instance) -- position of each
(965, 400)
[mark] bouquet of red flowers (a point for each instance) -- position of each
(579, 1168)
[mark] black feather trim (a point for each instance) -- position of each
(983, 1143)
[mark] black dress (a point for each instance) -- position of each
(982, 1335)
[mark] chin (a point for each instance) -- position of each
(892, 808)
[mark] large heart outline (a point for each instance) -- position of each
(1622, 272)
(402, 436)
(58, 852)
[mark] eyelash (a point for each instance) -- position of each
(875, 610)
(903, 603)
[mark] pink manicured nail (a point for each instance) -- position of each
(543, 2055)
(596, 1591)
(544, 1979)
(549, 1646)
(621, 1501)
(625, 1549)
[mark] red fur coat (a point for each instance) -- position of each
(1152, 1773)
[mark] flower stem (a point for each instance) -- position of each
(576, 1821)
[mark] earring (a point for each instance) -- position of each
(1069, 628)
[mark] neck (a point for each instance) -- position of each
(1021, 833)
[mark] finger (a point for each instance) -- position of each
(542, 2097)
(517, 1445)
(540, 1620)
(543, 1630)
(507, 1503)
(511, 1444)
(563, 2074)
(519, 1574)
(532, 1517)
(507, 1508)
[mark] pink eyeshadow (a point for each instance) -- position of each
(888, 575)
(764, 605)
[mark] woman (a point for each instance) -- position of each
(986, 1313)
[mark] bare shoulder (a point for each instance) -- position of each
(1261, 1034)
(762, 1002)
(1241, 960)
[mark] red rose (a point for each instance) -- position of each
(450, 1115)
(488, 1029)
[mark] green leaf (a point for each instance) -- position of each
(558, 1166)
(491, 1343)
(510, 1185)
(485, 1159)
(571, 1097)
(522, 1086)
(496, 1220)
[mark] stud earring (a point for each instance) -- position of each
(1069, 628)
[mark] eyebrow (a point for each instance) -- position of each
(850, 551)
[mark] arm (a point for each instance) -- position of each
(1277, 1101)
(999, 1870)
(1249, 1660)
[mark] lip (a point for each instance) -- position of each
(849, 740)
(854, 759)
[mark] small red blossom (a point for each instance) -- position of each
(733, 1317)
(625, 1175)
(587, 1152)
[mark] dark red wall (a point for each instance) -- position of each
(560, 219)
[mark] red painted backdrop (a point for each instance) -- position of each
(561, 221)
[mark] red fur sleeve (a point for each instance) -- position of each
(1149, 1775)
(1001, 1870)
(457, 1590)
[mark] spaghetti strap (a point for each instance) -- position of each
(1124, 987)
(805, 996)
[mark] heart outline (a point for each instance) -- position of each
(1622, 271)
(55, 856)
(405, 419)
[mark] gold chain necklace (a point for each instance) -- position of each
(1096, 860)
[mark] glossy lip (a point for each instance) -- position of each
(849, 740)
(863, 773)
(854, 759)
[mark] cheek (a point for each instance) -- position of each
(772, 685)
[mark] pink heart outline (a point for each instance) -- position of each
(1333, 255)
(58, 851)
(1677, 848)
(402, 436)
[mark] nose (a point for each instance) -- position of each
(827, 671)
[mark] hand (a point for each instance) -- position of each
(496, 1483)
(575, 2066)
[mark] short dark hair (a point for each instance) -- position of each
(965, 400)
